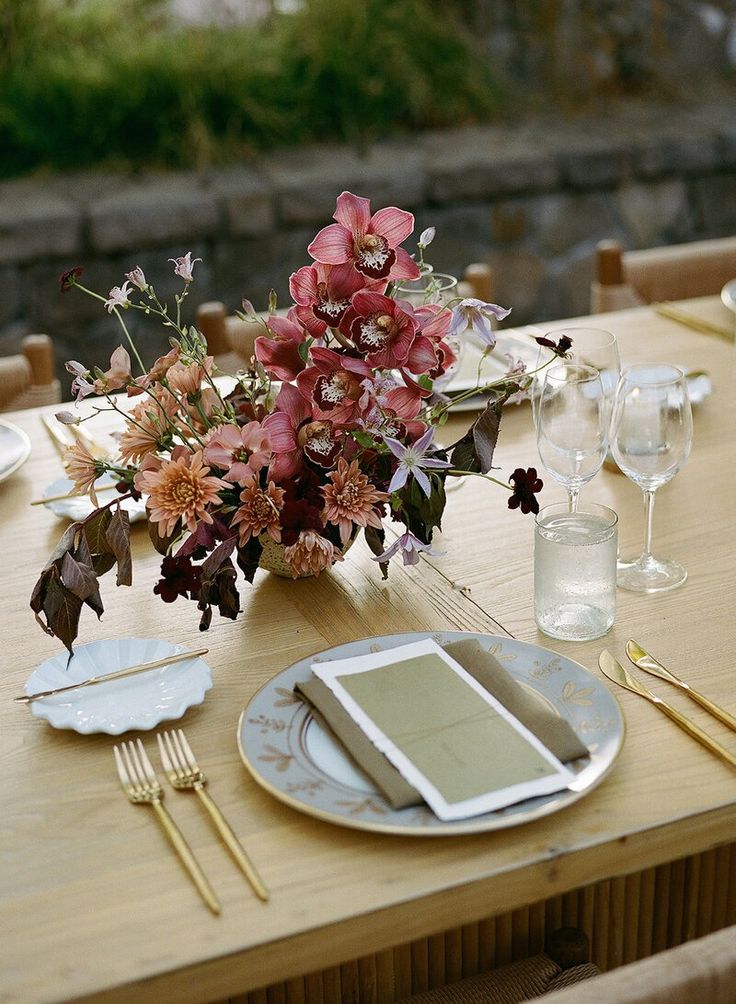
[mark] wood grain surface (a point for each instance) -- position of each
(93, 904)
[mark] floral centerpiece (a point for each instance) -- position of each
(329, 431)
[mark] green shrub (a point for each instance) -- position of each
(117, 82)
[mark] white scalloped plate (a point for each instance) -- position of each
(15, 448)
(80, 506)
(135, 702)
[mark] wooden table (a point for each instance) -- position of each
(95, 906)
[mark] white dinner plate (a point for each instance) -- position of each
(492, 366)
(300, 763)
(134, 702)
(80, 506)
(15, 448)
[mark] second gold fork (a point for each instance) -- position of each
(184, 773)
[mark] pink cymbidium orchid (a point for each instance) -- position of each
(322, 294)
(413, 460)
(334, 384)
(279, 352)
(369, 242)
(381, 330)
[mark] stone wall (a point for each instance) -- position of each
(531, 199)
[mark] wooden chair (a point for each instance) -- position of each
(633, 278)
(28, 379)
(702, 971)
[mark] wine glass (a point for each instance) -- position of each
(572, 425)
(591, 347)
(651, 435)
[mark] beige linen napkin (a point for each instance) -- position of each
(556, 734)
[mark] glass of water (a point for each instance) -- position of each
(575, 570)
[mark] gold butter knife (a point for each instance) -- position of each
(117, 675)
(615, 672)
(683, 317)
(641, 658)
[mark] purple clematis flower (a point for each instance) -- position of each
(412, 460)
(477, 315)
(409, 546)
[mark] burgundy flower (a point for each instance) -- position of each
(526, 485)
(371, 243)
(560, 348)
(180, 578)
(68, 279)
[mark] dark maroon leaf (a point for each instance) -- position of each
(219, 590)
(62, 609)
(474, 452)
(162, 544)
(38, 596)
(118, 539)
(218, 557)
(249, 556)
(204, 538)
(95, 536)
(81, 580)
(65, 544)
(376, 540)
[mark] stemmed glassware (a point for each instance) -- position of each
(590, 347)
(572, 425)
(651, 436)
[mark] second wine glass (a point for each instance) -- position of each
(572, 425)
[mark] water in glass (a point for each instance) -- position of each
(575, 571)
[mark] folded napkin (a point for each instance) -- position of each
(554, 732)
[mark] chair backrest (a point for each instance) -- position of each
(678, 272)
(699, 972)
(28, 379)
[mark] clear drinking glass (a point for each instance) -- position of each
(572, 425)
(651, 436)
(575, 571)
(440, 288)
(591, 347)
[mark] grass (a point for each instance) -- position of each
(117, 82)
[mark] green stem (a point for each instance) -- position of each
(133, 349)
(477, 474)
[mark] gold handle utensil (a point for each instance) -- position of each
(142, 787)
(117, 675)
(615, 672)
(673, 313)
(641, 658)
(184, 773)
(57, 435)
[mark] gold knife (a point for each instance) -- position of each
(144, 667)
(641, 658)
(615, 672)
(683, 317)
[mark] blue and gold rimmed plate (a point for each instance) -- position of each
(298, 762)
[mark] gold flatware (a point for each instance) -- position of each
(615, 672)
(142, 787)
(143, 667)
(184, 773)
(641, 658)
(58, 437)
(72, 495)
(689, 320)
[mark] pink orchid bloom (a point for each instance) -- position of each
(295, 435)
(185, 266)
(279, 353)
(119, 296)
(371, 243)
(334, 384)
(406, 400)
(322, 294)
(380, 329)
(240, 450)
(434, 326)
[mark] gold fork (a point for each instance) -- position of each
(184, 773)
(142, 787)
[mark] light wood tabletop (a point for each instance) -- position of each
(92, 903)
